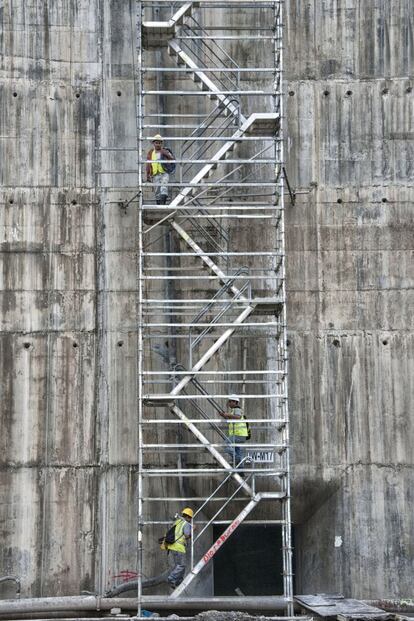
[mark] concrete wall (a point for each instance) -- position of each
(350, 280)
(68, 335)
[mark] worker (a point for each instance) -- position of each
(238, 429)
(182, 534)
(156, 170)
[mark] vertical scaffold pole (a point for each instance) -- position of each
(139, 117)
(279, 152)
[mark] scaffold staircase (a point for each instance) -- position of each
(233, 306)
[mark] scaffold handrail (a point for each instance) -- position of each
(203, 48)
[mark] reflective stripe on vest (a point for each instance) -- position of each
(179, 544)
(157, 168)
(238, 428)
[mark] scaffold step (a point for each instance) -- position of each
(156, 34)
(196, 78)
(157, 400)
(152, 216)
(265, 124)
(268, 306)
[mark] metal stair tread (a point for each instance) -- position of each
(156, 33)
(267, 306)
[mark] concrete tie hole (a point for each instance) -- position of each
(326, 93)
(74, 345)
(119, 93)
(385, 342)
(26, 345)
(11, 201)
(15, 94)
(291, 93)
(74, 202)
(77, 95)
(339, 201)
(349, 93)
(336, 343)
(120, 343)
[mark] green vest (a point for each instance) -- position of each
(157, 167)
(238, 428)
(179, 544)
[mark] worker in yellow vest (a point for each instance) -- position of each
(182, 534)
(156, 172)
(237, 432)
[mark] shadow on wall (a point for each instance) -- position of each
(251, 562)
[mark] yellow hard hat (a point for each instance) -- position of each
(188, 511)
(158, 137)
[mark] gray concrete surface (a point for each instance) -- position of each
(350, 281)
(68, 339)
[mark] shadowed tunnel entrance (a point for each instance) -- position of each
(250, 563)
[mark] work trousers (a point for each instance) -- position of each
(177, 573)
(160, 183)
(236, 452)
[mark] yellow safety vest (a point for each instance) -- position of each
(157, 168)
(238, 428)
(179, 544)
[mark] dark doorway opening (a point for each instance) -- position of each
(250, 562)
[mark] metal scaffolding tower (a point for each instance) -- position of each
(211, 274)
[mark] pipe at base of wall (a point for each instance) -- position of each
(152, 602)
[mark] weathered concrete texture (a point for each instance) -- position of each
(366, 39)
(363, 533)
(49, 90)
(68, 294)
(350, 279)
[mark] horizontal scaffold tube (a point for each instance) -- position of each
(152, 602)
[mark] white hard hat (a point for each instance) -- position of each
(234, 398)
(157, 137)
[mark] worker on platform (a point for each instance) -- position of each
(156, 169)
(182, 534)
(238, 430)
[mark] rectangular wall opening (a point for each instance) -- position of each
(250, 562)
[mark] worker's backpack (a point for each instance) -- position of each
(249, 433)
(169, 165)
(168, 538)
